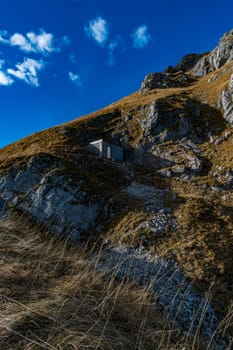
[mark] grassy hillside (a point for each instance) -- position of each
(52, 298)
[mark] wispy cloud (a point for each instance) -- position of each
(141, 37)
(97, 29)
(5, 79)
(75, 78)
(111, 48)
(73, 58)
(42, 43)
(3, 35)
(2, 62)
(64, 41)
(27, 71)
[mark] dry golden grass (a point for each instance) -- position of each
(51, 297)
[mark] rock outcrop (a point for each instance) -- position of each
(222, 54)
(166, 124)
(226, 102)
(176, 296)
(187, 62)
(165, 80)
(198, 64)
(46, 191)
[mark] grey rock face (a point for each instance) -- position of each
(188, 62)
(222, 54)
(164, 81)
(202, 67)
(20, 181)
(62, 207)
(52, 197)
(199, 64)
(226, 102)
(172, 76)
(183, 159)
(160, 125)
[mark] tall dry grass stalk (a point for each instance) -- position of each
(52, 297)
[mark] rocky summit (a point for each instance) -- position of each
(162, 217)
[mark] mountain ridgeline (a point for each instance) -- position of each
(168, 206)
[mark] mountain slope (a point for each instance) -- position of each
(172, 194)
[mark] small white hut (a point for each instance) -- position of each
(107, 150)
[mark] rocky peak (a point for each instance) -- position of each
(172, 76)
(222, 54)
(187, 62)
(197, 64)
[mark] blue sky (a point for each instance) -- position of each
(60, 59)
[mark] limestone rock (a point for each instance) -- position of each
(219, 141)
(185, 305)
(222, 54)
(226, 102)
(165, 81)
(52, 196)
(183, 159)
(188, 62)
(161, 125)
(62, 207)
(202, 67)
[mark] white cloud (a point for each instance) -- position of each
(141, 37)
(19, 40)
(32, 42)
(27, 71)
(75, 78)
(42, 43)
(5, 79)
(98, 30)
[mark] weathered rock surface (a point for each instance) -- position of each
(165, 81)
(222, 54)
(223, 177)
(175, 295)
(183, 158)
(161, 125)
(172, 76)
(226, 102)
(159, 218)
(188, 62)
(199, 64)
(52, 196)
